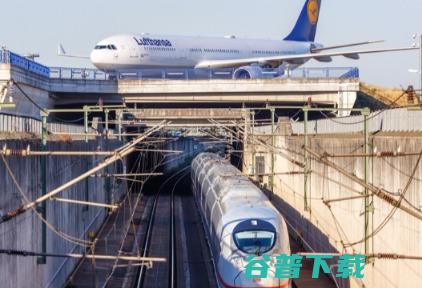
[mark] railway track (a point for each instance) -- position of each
(165, 230)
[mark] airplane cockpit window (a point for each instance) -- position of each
(103, 47)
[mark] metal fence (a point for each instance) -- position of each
(20, 124)
(24, 63)
(14, 59)
(392, 120)
(195, 74)
(77, 74)
(325, 72)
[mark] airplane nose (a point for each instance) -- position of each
(95, 58)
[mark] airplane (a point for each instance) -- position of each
(247, 57)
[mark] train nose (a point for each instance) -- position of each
(270, 281)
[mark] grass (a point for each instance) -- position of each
(395, 97)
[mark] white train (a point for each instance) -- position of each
(240, 221)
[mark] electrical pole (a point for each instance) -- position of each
(306, 160)
(366, 149)
(418, 37)
(420, 67)
(272, 150)
(253, 146)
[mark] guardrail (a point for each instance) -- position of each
(77, 74)
(21, 124)
(14, 59)
(391, 120)
(9, 57)
(325, 72)
(196, 74)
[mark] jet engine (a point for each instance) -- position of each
(254, 72)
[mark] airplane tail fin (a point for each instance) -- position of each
(306, 25)
(60, 50)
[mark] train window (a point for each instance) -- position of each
(255, 242)
(254, 236)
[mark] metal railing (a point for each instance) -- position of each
(325, 72)
(197, 74)
(77, 74)
(21, 124)
(391, 120)
(64, 73)
(14, 59)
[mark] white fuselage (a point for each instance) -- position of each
(128, 53)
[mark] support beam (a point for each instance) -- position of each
(71, 201)
(42, 209)
(119, 154)
(375, 190)
(127, 175)
(306, 161)
(253, 146)
(80, 256)
(366, 149)
(272, 150)
(7, 105)
(27, 152)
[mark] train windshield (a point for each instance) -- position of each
(255, 242)
(254, 236)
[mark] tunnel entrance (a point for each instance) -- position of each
(171, 226)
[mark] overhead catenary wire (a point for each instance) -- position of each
(25, 253)
(130, 221)
(25, 199)
(29, 98)
(375, 190)
(150, 223)
(129, 224)
(368, 118)
(394, 209)
(119, 153)
(379, 192)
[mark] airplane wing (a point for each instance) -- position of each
(62, 52)
(315, 50)
(293, 58)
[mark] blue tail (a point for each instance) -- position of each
(306, 25)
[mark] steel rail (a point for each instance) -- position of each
(148, 235)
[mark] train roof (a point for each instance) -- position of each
(239, 197)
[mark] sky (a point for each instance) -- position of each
(38, 26)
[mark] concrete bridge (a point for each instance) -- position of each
(52, 92)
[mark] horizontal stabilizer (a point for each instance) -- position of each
(62, 52)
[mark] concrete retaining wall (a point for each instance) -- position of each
(24, 231)
(327, 230)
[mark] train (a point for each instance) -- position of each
(239, 220)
